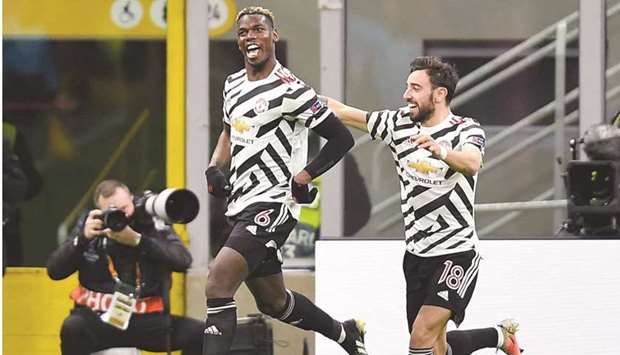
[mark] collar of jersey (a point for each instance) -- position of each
(267, 78)
(441, 125)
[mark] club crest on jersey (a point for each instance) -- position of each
(240, 125)
(261, 105)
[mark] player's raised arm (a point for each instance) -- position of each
(350, 116)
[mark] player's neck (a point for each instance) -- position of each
(440, 114)
(261, 71)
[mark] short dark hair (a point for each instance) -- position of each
(107, 188)
(441, 74)
(256, 10)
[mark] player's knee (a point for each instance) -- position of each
(273, 307)
(218, 284)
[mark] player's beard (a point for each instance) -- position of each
(425, 111)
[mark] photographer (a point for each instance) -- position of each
(124, 279)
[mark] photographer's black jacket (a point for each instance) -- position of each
(158, 253)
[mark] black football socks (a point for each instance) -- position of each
(302, 313)
(220, 326)
(465, 342)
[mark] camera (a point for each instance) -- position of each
(114, 219)
(593, 187)
(170, 206)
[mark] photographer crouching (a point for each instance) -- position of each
(124, 262)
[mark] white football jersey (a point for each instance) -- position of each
(436, 201)
(269, 121)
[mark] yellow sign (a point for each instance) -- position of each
(423, 167)
(240, 125)
(83, 19)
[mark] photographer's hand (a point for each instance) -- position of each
(127, 236)
(93, 225)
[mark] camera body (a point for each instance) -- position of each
(170, 206)
(594, 197)
(114, 219)
(593, 187)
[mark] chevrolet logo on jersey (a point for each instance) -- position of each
(240, 125)
(423, 167)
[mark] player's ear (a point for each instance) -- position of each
(442, 94)
(276, 37)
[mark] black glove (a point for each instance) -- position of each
(217, 182)
(303, 193)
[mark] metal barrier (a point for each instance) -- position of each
(490, 228)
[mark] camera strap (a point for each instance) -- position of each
(114, 274)
(124, 298)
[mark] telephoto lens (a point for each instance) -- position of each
(171, 205)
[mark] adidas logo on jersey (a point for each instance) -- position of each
(443, 294)
(212, 330)
(251, 229)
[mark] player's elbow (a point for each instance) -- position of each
(469, 171)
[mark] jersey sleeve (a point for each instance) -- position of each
(301, 104)
(381, 125)
(472, 133)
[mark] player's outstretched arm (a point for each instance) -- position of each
(350, 116)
